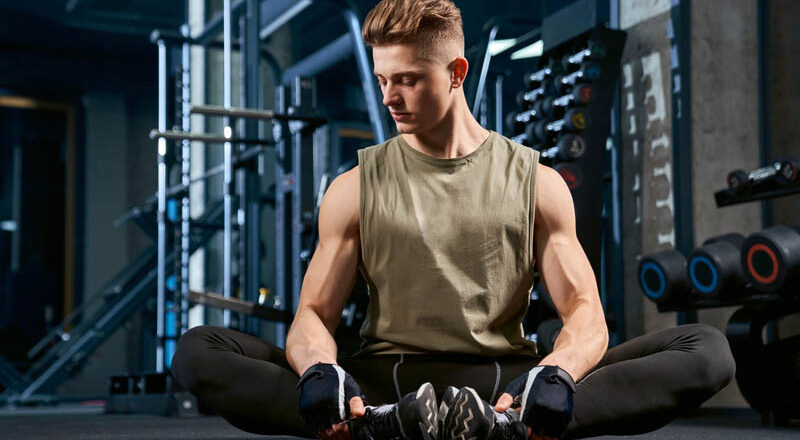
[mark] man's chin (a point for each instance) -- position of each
(405, 128)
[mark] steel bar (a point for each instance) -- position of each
(247, 308)
(278, 12)
(216, 24)
(161, 276)
(321, 60)
(227, 288)
(205, 137)
(182, 321)
(267, 115)
(374, 107)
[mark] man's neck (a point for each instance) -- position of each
(459, 134)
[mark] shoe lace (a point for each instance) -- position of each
(377, 424)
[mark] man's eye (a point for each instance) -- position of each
(409, 83)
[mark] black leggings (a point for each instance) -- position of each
(637, 387)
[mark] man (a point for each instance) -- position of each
(447, 222)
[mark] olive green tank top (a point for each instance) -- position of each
(447, 248)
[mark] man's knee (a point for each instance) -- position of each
(187, 363)
(717, 364)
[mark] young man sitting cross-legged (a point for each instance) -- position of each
(447, 222)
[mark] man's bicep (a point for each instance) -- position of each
(332, 271)
(561, 261)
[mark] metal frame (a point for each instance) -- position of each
(613, 264)
(680, 20)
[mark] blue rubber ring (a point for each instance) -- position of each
(653, 294)
(706, 289)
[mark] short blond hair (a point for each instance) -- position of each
(427, 24)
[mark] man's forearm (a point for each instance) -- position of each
(309, 342)
(582, 342)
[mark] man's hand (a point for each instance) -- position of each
(545, 394)
(328, 397)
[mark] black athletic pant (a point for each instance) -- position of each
(638, 386)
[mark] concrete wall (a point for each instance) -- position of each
(725, 136)
(646, 153)
(724, 63)
(104, 247)
(784, 110)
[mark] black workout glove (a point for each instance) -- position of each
(325, 393)
(545, 394)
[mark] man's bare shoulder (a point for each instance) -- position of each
(342, 200)
(553, 200)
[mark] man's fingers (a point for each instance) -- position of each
(339, 431)
(356, 407)
(504, 402)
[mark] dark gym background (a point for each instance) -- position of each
(78, 97)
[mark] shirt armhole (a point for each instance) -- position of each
(361, 202)
(534, 170)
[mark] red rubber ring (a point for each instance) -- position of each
(764, 248)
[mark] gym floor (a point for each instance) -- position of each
(81, 422)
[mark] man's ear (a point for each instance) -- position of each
(458, 72)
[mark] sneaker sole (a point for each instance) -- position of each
(428, 427)
(466, 419)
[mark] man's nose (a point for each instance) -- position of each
(390, 97)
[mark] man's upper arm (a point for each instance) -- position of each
(561, 261)
(332, 271)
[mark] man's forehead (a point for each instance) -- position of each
(398, 60)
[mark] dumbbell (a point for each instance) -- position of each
(781, 171)
(662, 277)
(715, 268)
(516, 122)
(553, 106)
(575, 119)
(568, 147)
(547, 332)
(525, 99)
(771, 259)
(596, 51)
(535, 79)
(588, 72)
(527, 137)
(571, 173)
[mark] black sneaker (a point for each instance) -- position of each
(413, 417)
(448, 398)
(469, 417)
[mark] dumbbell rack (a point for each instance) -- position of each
(585, 175)
(767, 190)
(768, 374)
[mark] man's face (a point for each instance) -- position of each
(416, 90)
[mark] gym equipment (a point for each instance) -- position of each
(571, 174)
(527, 99)
(62, 352)
(781, 171)
(715, 268)
(516, 122)
(663, 278)
(588, 72)
(555, 107)
(771, 260)
(767, 372)
(568, 147)
(575, 119)
(535, 79)
(148, 393)
(597, 50)
(547, 332)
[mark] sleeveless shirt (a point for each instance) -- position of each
(447, 248)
